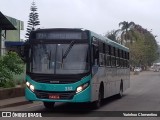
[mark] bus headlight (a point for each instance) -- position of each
(82, 87)
(79, 89)
(30, 86)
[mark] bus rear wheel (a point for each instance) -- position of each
(120, 94)
(49, 105)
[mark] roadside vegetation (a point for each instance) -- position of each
(141, 42)
(11, 66)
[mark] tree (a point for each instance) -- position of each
(143, 50)
(111, 35)
(33, 19)
(125, 27)
(141, 42)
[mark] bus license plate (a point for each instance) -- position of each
(53, 96)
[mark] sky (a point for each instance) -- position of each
(100, 16)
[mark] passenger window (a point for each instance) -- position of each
(95, 52)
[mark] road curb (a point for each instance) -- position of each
(16, 104)
(7, 93)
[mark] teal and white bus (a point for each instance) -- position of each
(74, 65)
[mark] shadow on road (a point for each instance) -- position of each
(76, 109)
(111, 99)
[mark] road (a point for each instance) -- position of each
(143, 95)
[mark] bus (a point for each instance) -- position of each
(74, 65)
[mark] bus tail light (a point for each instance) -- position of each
(82, 87)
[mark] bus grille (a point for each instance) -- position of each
(54, 79)
(63, 95)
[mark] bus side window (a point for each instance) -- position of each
(117, 57)
(120, 58)
(109, 56)
(128, 60)
(101, 54)
(95, 55)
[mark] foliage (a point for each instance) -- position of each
(10, 64)
(143, 49)
(33, 19)
(141, 42)
(125, 35)
(111, 35)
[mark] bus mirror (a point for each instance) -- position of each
(20, 51)
(24, 52)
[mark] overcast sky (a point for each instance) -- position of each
(99, 16)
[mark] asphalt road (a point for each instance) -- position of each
(143, 95)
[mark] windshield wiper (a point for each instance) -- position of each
(68, 50)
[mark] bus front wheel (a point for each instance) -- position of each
(97, 104)
(49, 105)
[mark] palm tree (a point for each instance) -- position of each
(125, 27)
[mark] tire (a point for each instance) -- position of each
(120, 94)
(97, 104)
(49, 105)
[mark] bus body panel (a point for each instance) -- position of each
(111, 79)
(78, 97)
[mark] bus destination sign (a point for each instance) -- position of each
(59, 35)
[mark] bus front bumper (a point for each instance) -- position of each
(83, 96)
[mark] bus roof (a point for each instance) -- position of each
(108, 41)
(59, 29)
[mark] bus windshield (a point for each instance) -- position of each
(60, 58)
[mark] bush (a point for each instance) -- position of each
(10, 64)
(8, 84)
